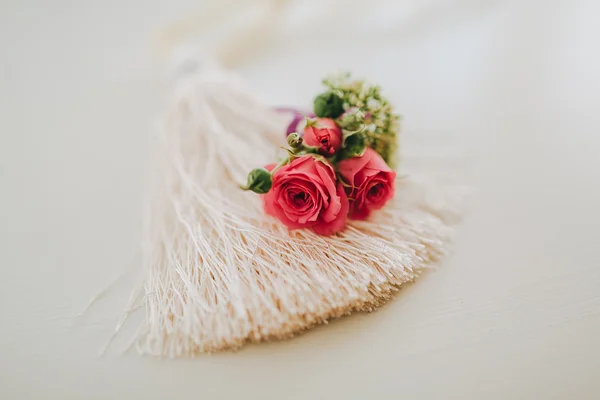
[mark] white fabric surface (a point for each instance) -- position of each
(507, 89)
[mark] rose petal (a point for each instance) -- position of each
(377, 162)
(336, 225)
(312, 179)
(294, 213)
(280, 214)
(350, 167)
(358, 208)
(327, 175)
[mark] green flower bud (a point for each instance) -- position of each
(328, 105)
(295, 140)
(259, 181)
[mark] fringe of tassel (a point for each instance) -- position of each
(219, 273)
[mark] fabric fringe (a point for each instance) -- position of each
(220, 273)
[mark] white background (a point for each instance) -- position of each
(508, 89)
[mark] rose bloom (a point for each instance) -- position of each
(305, 194)
(371, 183)
(324, 134)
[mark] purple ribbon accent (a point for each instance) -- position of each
(298, 116)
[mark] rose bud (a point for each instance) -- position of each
(371, 183)
(306, 194)
(324, 134)
(328, 105)
(295, 140)
(259, 181)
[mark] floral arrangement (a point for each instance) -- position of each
(339, 163)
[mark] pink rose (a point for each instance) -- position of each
(324, 134)
(305, 194)
(372, 183)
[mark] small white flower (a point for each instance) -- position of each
(373, 104)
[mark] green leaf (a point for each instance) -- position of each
(328, 105)
(354, 146)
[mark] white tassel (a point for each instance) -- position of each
(220, 273)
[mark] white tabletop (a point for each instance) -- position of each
(506, 90)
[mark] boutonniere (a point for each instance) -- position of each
(339, 161)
